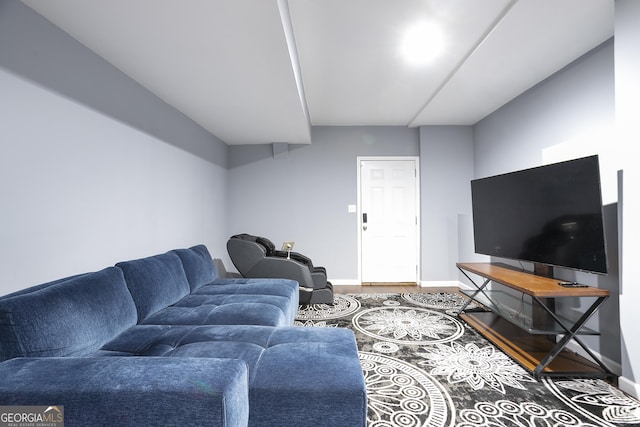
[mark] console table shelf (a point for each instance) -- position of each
(527, 349)
(519, 312)
(524, 324)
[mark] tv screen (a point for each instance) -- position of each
(550, 215)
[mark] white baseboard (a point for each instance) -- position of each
(615, 367)
(466, 286)
(424, 284)
(629, 387)
(345, 282)
(439, 284)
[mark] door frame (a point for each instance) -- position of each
(416, 160)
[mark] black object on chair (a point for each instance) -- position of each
(255, 256)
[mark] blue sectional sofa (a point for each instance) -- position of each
(163, 341)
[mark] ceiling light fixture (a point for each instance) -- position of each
(422, 43)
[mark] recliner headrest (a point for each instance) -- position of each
(268, 244)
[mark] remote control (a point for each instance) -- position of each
(572, 285)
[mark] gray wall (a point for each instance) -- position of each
(627, 65)
(566, 109)
(302, 194)
(37, 50)
(94, 169)
(446, 163)
(569, 115)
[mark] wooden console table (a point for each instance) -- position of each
(524, 323)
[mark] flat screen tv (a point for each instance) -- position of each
(549, 215)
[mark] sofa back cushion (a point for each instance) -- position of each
(155, 282)
(68, 317)
(198, 265)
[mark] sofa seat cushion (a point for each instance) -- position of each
(275, 307)
(260, 287)
(282, 287)
(69, 317)
(309, 374)
(240, 313)
(244, 342)
(295, 374)
(155, 282)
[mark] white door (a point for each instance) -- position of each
(389, 220)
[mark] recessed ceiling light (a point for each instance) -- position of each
(422, 43)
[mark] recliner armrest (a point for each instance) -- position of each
(275, 267)
(319, 279)
(131, 391)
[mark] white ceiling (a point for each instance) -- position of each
(264, 71)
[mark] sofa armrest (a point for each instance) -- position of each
(131, 391)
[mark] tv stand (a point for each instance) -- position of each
(522, 322)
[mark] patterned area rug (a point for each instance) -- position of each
(424, 367)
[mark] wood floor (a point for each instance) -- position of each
(388, 288)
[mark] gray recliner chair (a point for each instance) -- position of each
(255, 256)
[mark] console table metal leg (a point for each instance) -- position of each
(476, 292)
(571, 333)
